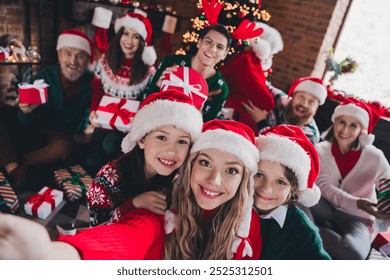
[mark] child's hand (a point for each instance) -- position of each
(153, 201)
(166, 72)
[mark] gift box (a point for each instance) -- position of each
(9, 202)
(381, 239)
(35, 93)
(43, 203)
(5, 53)
(383, 194)
(116, 113)
(190, 82)
(74, 180)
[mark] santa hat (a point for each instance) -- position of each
(314, 86)
(366, 115)
(170, 107)
(266, 45)
(272, 36)
(289, 146)
(238, 139)
(74, 38)
(143, 27)
(101, 20)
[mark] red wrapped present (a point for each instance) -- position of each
(383, 194)
(74, 180)
(9, 202)
(190, 82)
(116, 113)
(381, 239)
(5, 53)
(33, 94)
(43, 203)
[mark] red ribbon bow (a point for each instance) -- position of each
(118, 111)
(38, 199)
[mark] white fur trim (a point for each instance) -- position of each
(118, 86)
(102, 17)
(366, 139)
(133, 23)
(149, 55)
(310, 197)
(161, 113)
(261, 48)
(282, 150)
(316, 89)
(229, 142)
(267, 64)
(73, 41)
(247, 247)
(354, 111)
(169, 221)
(271, 35)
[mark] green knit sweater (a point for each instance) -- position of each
(71, 116)
(214, 104)
(299, 238)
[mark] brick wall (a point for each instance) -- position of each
(309, 28)
(13, 21)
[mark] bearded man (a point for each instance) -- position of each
(298, 107)
(44, 133)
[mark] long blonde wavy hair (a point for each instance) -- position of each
(193, 239)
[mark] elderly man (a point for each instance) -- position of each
(307, 94)
(44, 133)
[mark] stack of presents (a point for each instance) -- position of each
(72, 184)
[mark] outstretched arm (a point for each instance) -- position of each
(21, 238)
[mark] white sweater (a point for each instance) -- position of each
(360, 182)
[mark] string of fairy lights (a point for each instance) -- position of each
(232, 9)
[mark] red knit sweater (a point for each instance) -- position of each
(139, 235)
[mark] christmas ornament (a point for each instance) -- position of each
(136, 4)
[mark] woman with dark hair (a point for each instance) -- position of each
(124, 72)
(212, 48)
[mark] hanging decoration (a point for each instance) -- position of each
(227, 12)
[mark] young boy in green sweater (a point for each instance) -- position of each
(286, 174)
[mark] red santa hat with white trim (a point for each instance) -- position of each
(314, 86)
(142, 26)
(73, 38)
(170, 107)
(238, 139)
(289, 146)
(366, 115)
